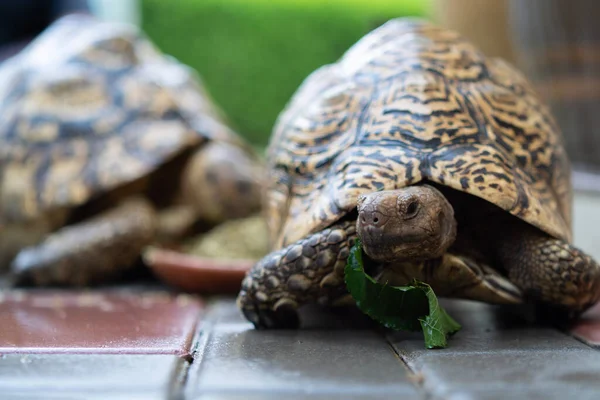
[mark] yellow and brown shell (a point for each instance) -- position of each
(89, 106)
(412, 102)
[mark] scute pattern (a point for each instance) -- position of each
(88, 107)
(408, 102)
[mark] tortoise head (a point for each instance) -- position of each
(222, 181)
(412, 223)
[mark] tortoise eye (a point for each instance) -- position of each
(412, 210)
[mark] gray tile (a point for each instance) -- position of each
(238, 360)
(550, 391)
(277, 395)
(533, 339)
(580, 368)
(499, 353)
(86, 376)
(542, 374)
(222, 310)
(487, 328)
(83, 395)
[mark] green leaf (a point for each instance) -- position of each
(437, 325)
(409, 308)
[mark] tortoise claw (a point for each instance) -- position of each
(282, 315)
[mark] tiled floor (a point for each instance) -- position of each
(499, 353)
(148, 344)
(499, 350)
(155, 346)
(110, 344)
(90, 376)
(328, 359)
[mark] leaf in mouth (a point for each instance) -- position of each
(409, 308)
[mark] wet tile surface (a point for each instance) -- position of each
(278, 395)
(544, 372)
(86, 376)
(97, 322)
(326, 360)
(487, 328)
(499, 352)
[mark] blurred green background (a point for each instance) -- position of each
(253, 54)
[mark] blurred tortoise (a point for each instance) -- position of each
(105, 146)
(443, 162)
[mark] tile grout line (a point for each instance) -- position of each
(180, 380)
(415, 377)
(204, 331)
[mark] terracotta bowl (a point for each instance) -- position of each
(196, 274)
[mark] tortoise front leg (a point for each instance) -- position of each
(91, 251)
(550, 270)
(308, 271)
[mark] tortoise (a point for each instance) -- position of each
(444, 163)
(107, 145)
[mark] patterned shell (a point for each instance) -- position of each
(89, 106)
(412, 102)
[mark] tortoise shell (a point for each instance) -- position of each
(411, 102)
(89, 106)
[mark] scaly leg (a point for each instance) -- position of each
(91, 251)
(308, 271)
(549, 270)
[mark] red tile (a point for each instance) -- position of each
(97, 322)
(587, 329)
(593, 313)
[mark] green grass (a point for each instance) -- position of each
(253, 54)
